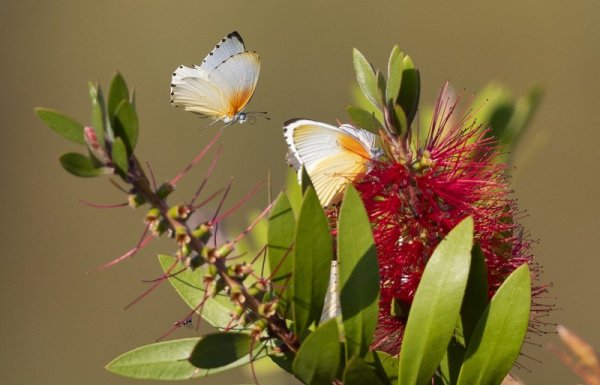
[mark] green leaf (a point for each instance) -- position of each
(318, 358)
(357, 372)
(500, 332)
(305, 181)
(63, 125)
(284, 361)
(164, 361)
(216, 350)
(366, 77)
(80, 165)
(126, 125)
(293, 191)
(395, 119)
(99, 113)
(312, 263)
(395, 68)
(436, 306)
(476, 294)
(119, 156)
(188, 284)
(410, 89)
(118, 92)
(358, 274)
(280, 239)
(364, 119)
(384, 365)
(452, 362)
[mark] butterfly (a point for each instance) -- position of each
(332, 156)
(222, 85)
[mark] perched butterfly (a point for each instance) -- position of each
(332, 156)
(222, 85)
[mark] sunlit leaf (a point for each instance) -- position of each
(63, 125)
(498, 337)
(366, 77)
(216, 350)
(358, 274)
(126, 124)
(119, 156)
(280, 239)
(410, 90)
(99, 123)
(188, 284)
(164, 361)
(436, 306)
(318, 358)
(364, 119)
(357, 372)
(395, 68)
(80, 165)
(312, 260)
(118, 92)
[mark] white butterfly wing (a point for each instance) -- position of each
(332, 156)
(227, 47)
(192, 91)
(236, 77)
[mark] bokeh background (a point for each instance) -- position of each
(60, 325)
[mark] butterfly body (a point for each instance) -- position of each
(222, 85)
(332, 156)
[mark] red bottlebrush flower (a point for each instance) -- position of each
(419, 192)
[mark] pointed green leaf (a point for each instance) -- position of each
(118, 92)
(476, 294)
(98, 112)
(367, 80)
(395, 68)
(305, 181)
(358, 274)
(80, 165)
(293, 191)
(452, 361)
(126, 125)
(524, 109)
(188, 284)
(280, 239)
(384, 365)
(497, 340)
(216, 350)
(164, 361)
(319, 355)
(284, 361)
(395, 119)
(364, 119)
(119, 156)
(410, 89)
(312, 262)
(357, 372)
(436, 306)
(63, 125)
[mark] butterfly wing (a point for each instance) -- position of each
(236, 77)
(227, 47)
(194, 92)
(332, 156)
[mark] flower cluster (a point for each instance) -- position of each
(414, 199)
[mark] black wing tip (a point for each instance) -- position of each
(292, 121)
(236, 35)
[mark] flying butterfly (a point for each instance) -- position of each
(222, 85)
(332, 156)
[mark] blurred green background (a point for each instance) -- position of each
(60, 325)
